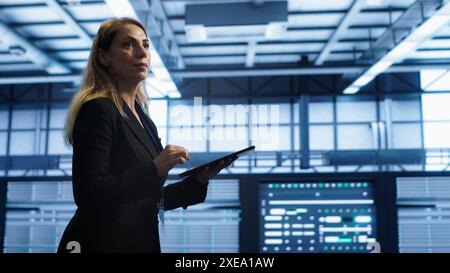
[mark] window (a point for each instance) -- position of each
(24, 119)
(355, 123)
(436, 107)
(355, 137)
(3, 142)
(58, 118)
(406, 136)
(271, 138)
(435, 80)
(3, 119)
(354, 111)
(57, 144)
(321, 137)
(321, 112)
(437, 134)
(436, 115)
(22, 143)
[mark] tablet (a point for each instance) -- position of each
(234, 155)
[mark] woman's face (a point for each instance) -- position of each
(128, 57)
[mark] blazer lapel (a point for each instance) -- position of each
(152, 126)
(138, 131)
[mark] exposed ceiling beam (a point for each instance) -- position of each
(74, 50)
(25, 5)
(69, 20)
(299, 71)
(52, 23)
(287, 42)
(51, 38)
(292, 29)
(40, 5)
(213, 1)
(157, 8)
(187, 2)
(237, 73)
(264, 72)
(343, 26)
(34, 54)
(267, 72)
(246, 39)
(19, 67)
(39, 79)
(292, 13)
(316, 12)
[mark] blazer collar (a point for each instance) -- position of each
(138, 131)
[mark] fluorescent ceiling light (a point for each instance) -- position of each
(430, 76)
(351, 90)
(363, 80)
(429, 27)
(55, 69)
(174, 95)
(122, 8)
(195, 33)
(401, 50)
(435, 84)
(379, 67)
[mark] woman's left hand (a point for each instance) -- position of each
(208, 172)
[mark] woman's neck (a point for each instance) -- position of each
(129, 96)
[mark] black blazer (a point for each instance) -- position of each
(116, 185)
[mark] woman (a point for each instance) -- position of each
(119, 164)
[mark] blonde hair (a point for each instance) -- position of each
(98, 82)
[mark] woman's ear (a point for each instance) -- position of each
(103, 57)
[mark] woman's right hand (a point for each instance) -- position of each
(169, 157)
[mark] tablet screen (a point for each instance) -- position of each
(211, 161)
